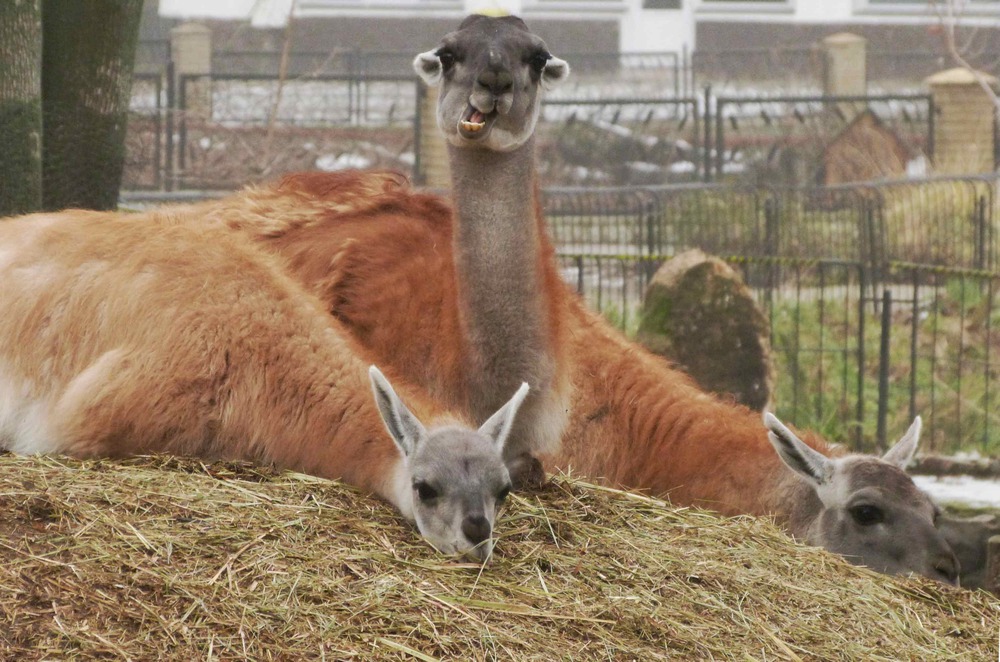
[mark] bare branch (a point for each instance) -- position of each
(949, 14)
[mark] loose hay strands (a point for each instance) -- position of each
(158, 558)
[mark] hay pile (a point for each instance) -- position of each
(157, 558)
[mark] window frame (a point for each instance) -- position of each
(925, 9)
(763, 7)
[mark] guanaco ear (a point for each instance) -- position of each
(428, 67)
(555, 73)
(800, 458)
(403, 426)
(903, 451)
(497, 427)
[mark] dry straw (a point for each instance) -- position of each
(156, 558)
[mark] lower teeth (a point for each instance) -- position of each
(472, 126)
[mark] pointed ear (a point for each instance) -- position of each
(498, 426)
(902, 453)
(555, 73)
(800, 458)
(402, 425)
(428, 67)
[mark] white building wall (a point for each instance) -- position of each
(641, 30)
(260, 13)
(656, 30)
(495, 7)
(824, 11)
(800, 11)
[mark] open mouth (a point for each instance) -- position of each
(474, 123)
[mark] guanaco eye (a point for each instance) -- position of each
(539, 60)
(424, 491)
(447, 58)
(867, 515)
(502, 494)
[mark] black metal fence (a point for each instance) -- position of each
(881, 296)
(606, 74)
(803, 140)
(224, 130)
(781, 69)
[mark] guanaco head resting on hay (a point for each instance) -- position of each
(865, 508)
(454, 478)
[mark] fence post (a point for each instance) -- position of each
(720, 139)
(182, 104)
(706, 152)
(874, 259)
(860, 409)
(650, 210)
(914, 339)
(993, 565)
(170, 174)
(981, 232)
(964, 135)
(883, 371)
(844, 74)
(435, 171)
(191, 52)
(158, 132)
(191, 55)
(772, 245)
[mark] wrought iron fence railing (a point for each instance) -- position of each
(881, 297)
(224, 129)
(820, 259)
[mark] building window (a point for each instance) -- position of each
(966, 8)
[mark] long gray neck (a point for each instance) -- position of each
(501, 294)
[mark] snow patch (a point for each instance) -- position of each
(330, 163)
(975, 492)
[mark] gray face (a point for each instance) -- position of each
(455, 477)
(490, 71)
(969, 538)
(875, 516)
(459, 482)
(867, 508)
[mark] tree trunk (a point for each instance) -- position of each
(20, 106)
(87, 66)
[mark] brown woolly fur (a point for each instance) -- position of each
(634, 421)
(379, 258)
(257, 368)
(673, 438)
(167, 559)
(365, 242)
(314, 221)
(387, 269)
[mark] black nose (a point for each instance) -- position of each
(497, 81)
(476, 528)
(947, 566)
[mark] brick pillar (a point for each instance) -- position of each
(191, 51)
(845, 70)
(434, 169)
(963, 123)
